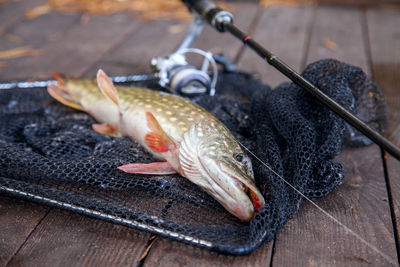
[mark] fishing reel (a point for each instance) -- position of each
(179, 77)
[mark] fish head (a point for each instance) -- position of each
(212, 158)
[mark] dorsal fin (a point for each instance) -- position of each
(107, 87)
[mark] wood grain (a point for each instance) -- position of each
(17, 219)
(283, 31)
(384, 40)
(311, 238)
(342, 27)
(12, 12)
(50, 243)
(172, 253)
(26, 33)
(120, 46)
(162, 37)
(179, 254)
(133, 56)
(393, 167)
(68, 239)
(78, 48)
(225, 43)
(165, 252)
(361, 3)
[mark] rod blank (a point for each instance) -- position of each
(222, 21)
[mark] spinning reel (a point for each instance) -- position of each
(179, 77)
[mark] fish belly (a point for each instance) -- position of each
(134, 125)
(105, 112)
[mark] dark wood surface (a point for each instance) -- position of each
(349, 42)
(384, 41)
(31, 234)
(13, 12)
(393, 168)
(313, 239)
(67, 239)
(357, 203)
(288, 40)
(17, 220)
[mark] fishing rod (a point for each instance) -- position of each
(222, 21)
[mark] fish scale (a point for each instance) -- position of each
(189, 139)
(176, 114)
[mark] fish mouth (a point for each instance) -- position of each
(252, 193)
(247, 198)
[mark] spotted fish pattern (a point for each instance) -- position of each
(184, 136)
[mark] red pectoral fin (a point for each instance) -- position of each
(157, 143)
(160, 168)
(157, 139)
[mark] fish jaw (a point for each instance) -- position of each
(245, 181)
(207, 163)
(228, 189)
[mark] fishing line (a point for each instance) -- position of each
(371, 246)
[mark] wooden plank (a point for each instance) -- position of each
(26, 33)
(12, 12)
(356, 3)
(393, 169)
(283, 31)
(178, 255)
(34, 34)
(225, 43)
(153, 38)
(313, 239)
(17, 219)
(165, 252)
(68, 239)
(162, 37)
(384, 38)
(361, 3)
(76, 51)
(331, 39)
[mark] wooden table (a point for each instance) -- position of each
(368, 202)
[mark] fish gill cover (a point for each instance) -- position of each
(50, 154)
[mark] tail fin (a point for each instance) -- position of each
(62, 93)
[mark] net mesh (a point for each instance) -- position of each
(50, 154)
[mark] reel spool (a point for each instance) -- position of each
(179, 77)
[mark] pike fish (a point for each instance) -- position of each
(185, 137)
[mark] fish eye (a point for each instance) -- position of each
(239, 157)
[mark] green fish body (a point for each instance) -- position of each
(188, 139)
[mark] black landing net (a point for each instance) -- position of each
(50, 154)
